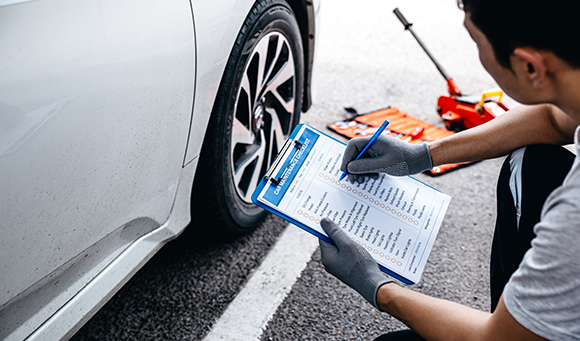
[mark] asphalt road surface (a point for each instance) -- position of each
(366, 61)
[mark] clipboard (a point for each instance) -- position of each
(276, 172)
(309, 165)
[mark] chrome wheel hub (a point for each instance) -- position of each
(258, 122)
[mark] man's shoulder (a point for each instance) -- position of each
(544, 294)
(566, 198)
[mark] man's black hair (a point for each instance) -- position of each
(550, 25)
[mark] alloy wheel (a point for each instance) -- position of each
(263, 112)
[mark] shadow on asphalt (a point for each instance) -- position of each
(184, 288)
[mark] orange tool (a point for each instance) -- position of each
(415, 134)
(457, 110)
(403, 126)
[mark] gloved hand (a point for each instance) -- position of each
(387, 155)
(351, 263)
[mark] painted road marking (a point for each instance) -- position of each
(251, 310)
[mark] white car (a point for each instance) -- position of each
(117, 118)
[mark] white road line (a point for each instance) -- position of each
(247, 315)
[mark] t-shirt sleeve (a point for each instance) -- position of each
(543, 295)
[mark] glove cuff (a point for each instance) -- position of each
(373, 299)
(419, 159)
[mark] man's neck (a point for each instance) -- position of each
(567, 92)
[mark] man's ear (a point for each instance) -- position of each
(532, 63)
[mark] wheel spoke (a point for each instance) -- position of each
(261, 52)
(254, 158)
(256, 176)
(283, 75)
(241, 134)
(276, 135)
(246, 89)
(279, 44)
(288, 104)
(241, 127)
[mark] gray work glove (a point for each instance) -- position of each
(351, 263)
(387, 155)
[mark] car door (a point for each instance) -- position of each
(95, 109)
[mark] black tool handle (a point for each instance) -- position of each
(408, 27)
(402, 18)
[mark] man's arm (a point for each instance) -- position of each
(521, 126)
(436, 319)
(432, 318)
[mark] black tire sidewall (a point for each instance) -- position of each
(266, 17)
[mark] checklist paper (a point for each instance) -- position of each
(396, 219)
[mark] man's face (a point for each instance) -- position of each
(504, 77)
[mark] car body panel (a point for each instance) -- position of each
(71, 176)
(216, 36)
(68, 319)
(87, 197)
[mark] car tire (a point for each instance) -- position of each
(257, 106)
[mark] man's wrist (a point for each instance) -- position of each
(385, 295)
(432, 146)
(372, 296)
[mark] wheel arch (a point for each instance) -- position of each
(305, 13)
(202, 184)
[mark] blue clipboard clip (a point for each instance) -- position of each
(288, 146)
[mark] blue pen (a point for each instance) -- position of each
(368, 145)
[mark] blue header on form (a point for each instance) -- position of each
(275, 193)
